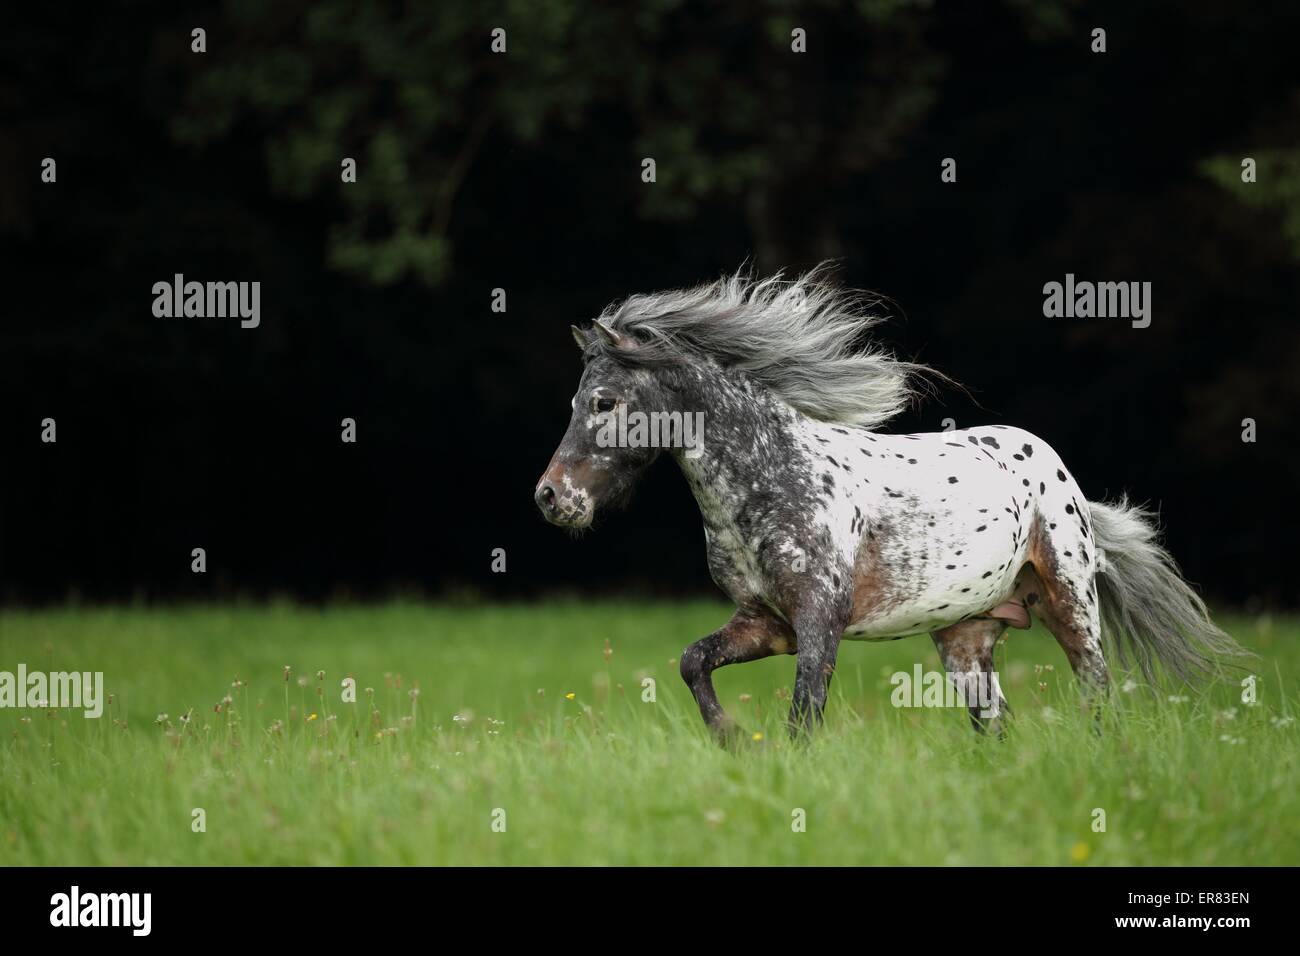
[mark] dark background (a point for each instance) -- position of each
(522, 171)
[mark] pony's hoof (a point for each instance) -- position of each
(730, 736)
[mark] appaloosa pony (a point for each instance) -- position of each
(820, 527)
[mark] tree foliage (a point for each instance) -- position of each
(714, 93)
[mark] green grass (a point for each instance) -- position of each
(605, 778)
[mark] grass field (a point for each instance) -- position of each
(520, 709)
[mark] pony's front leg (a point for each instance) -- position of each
(753, 633)
(819, 642)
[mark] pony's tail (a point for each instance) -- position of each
(1147, 610)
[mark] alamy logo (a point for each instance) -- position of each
(209, 300)
(623, 429)
(1086, 300)
(975, 689)
(37, 690)
(103, 909)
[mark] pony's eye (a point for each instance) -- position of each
(606, 404)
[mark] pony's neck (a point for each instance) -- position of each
(740, 453)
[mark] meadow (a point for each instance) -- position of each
(522, 734)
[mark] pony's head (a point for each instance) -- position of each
(589, 471)
(801, 342)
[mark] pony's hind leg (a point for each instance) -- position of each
(751, 634)
(1064, 557)
(966, 650)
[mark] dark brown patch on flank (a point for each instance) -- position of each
(874, 591)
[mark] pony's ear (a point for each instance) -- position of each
(616, 339)
(580, 337)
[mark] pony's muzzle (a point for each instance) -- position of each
(560, 500)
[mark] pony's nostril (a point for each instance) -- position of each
(546, 497)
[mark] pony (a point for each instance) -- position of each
(822, 528)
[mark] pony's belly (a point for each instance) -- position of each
(904, 607)
(905, 621)
(922, 618)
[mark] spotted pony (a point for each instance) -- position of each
(821, 528)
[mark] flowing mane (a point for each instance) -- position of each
(804, 339)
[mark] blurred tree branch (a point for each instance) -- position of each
(715, 93)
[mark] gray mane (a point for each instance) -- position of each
(802, 339)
